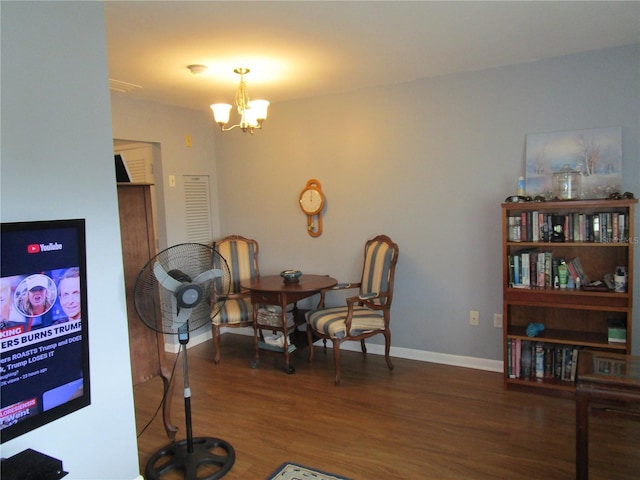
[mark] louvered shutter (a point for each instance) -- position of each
(198, 208)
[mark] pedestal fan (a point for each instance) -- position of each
(179, 290)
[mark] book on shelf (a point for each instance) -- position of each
(525, 277)
(514, 358)
(545, 227)
(577, 264)
(548, 269)
(617, 331)
(609, 220)
(525, 359)
(513, 230)
(539, 363)
(531, 268)
(574, 364)
(548, 361)
(572, 270)
(541, 280)
(511, 363)
(516, 269)
(557, 362)
(532, 359)
(597, 227)
(535, 227)
(567, 360)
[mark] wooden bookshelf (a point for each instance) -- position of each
(576, 318)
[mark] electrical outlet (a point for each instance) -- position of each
(497, 320)
(474, 317)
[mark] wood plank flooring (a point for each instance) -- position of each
(420, 421)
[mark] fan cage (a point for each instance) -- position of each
(157, 307)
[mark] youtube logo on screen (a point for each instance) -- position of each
(43, 247)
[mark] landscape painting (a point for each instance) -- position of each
(595, 153)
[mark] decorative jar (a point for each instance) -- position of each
(567, 183)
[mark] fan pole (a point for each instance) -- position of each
(187, 397)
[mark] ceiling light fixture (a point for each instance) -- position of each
(252, 112)
(197, 69)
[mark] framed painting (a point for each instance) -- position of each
(596, 154)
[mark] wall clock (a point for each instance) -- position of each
(312, 203)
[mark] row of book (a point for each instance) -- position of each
(534, 226)
(528, 359)
(533, 268)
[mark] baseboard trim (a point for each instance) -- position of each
(399, 352)
(426, 356)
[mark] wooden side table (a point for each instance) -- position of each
(272, 290)
(605, 380)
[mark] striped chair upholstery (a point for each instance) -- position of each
(362, 317)
(241, 255)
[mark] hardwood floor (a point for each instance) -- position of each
(421, 421)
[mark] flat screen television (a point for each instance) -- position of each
(44, 341)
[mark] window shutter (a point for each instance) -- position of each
(139, 162)
(137, 169)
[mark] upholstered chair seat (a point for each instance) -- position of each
(331, 321)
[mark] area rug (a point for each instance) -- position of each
(293, 471)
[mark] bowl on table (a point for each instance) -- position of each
(291, 276)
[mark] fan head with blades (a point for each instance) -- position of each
(182, 288)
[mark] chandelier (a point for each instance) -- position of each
(252, 112)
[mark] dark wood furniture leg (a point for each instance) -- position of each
(256, 355)
(582, 434)
(168, 387)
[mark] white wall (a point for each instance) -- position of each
(57, 162)
(428, 163)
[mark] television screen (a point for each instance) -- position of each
(44, 343)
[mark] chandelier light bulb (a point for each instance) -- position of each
(221, 113)
(259, 108)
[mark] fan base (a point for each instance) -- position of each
(176, 457)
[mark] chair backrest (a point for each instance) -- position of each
(241, 255)
(380, 258)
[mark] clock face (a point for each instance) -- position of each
(311, 201)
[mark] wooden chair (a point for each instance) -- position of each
(366, 314)
(241, 255)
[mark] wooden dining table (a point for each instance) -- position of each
(273, 290)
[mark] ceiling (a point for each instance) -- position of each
(307, 48)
